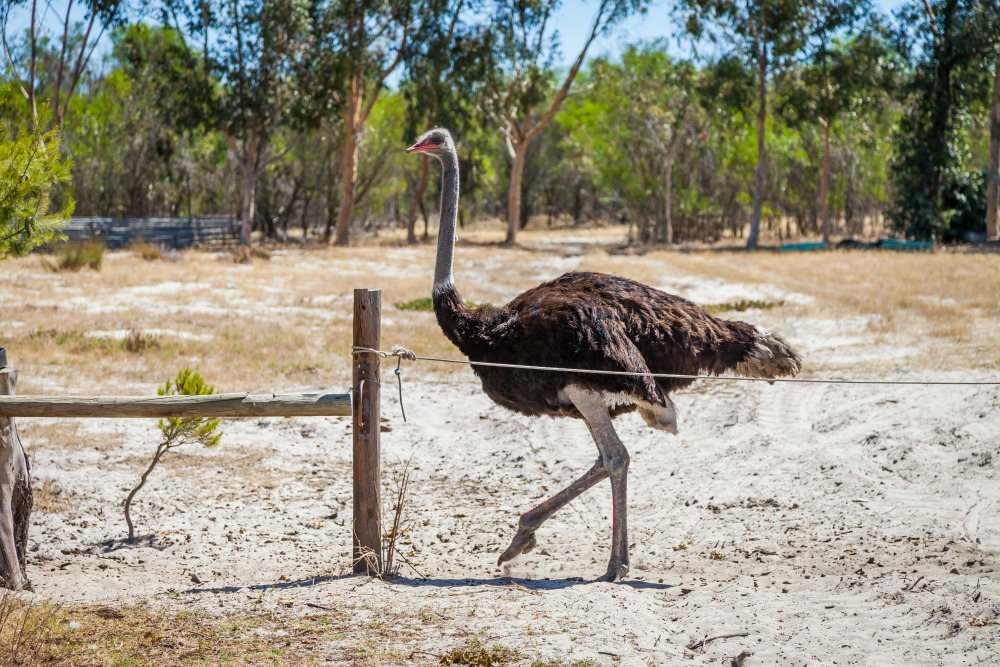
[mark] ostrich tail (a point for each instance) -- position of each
(770, 357)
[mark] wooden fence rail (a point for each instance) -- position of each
(214, 405)
(366, 527)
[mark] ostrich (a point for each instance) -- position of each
(589, 321)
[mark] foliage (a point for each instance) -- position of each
(940, 190)
(178, 431)
(31, 168)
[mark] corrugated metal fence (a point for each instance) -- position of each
(167, 232)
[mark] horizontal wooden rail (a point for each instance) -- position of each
(212, 405)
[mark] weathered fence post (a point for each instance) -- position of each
(15, 492)
(367, 523)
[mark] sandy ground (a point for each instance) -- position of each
(800, 524)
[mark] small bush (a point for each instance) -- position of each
(75, 256)
(136, 342)
(476, 655)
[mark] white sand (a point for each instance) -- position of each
(851, 524)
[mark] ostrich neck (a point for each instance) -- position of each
(443, 276)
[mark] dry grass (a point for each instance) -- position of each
(286, 323)
(946, 299)
(49, 497)
(29, 631)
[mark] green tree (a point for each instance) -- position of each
(633, 123)
(30, 169)
(939, 194)
(768, 34)
(355, 47)
(60, 69)
(524, 78)
(841, 76)
(445, 73)
(246, 54)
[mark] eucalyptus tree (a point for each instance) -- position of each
(634, 119)
(954, 45)
(446, 69)
(58, 64)
(768, 34)
(244, 56)
(854, 75)
(356, 45)
(524, 78)
(993, 173)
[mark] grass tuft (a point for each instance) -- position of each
(476, 655)
(148, 251)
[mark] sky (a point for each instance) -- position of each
(572, 20)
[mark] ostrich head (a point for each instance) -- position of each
(436, 142)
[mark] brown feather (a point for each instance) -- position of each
(603, 322)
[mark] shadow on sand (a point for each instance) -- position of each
(416, 582)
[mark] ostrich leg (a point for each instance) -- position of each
(613, 462)
(524, 541)
(616, 459)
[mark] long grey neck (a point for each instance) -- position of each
(443, 276)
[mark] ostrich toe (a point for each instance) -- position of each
(615, 572)
(522, 543)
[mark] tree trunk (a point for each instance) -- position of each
(248, 206)
(758, 179)
(824, 179)
(514, 193)
(15, 495)
(993, 184)
(668, 203)
(349, 174)
(416, 200)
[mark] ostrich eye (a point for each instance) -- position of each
(435, 139)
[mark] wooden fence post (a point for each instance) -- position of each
(15, 492)
(367, 522)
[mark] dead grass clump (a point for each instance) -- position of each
(48, 497)
(76, 256)
(477, 655)
(148, 251)
(27, 629)
(742, 305)
(244, 254)
(139, 636)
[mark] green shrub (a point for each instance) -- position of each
(75, 256)
(178, 431)
(30, 169)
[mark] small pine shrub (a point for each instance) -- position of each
(178, 431)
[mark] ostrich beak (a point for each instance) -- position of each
(418, 147)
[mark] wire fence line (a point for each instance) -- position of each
(401, 353)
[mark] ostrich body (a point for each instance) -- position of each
(589, 321)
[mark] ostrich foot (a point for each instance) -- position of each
(522, 543)
(615, 572)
